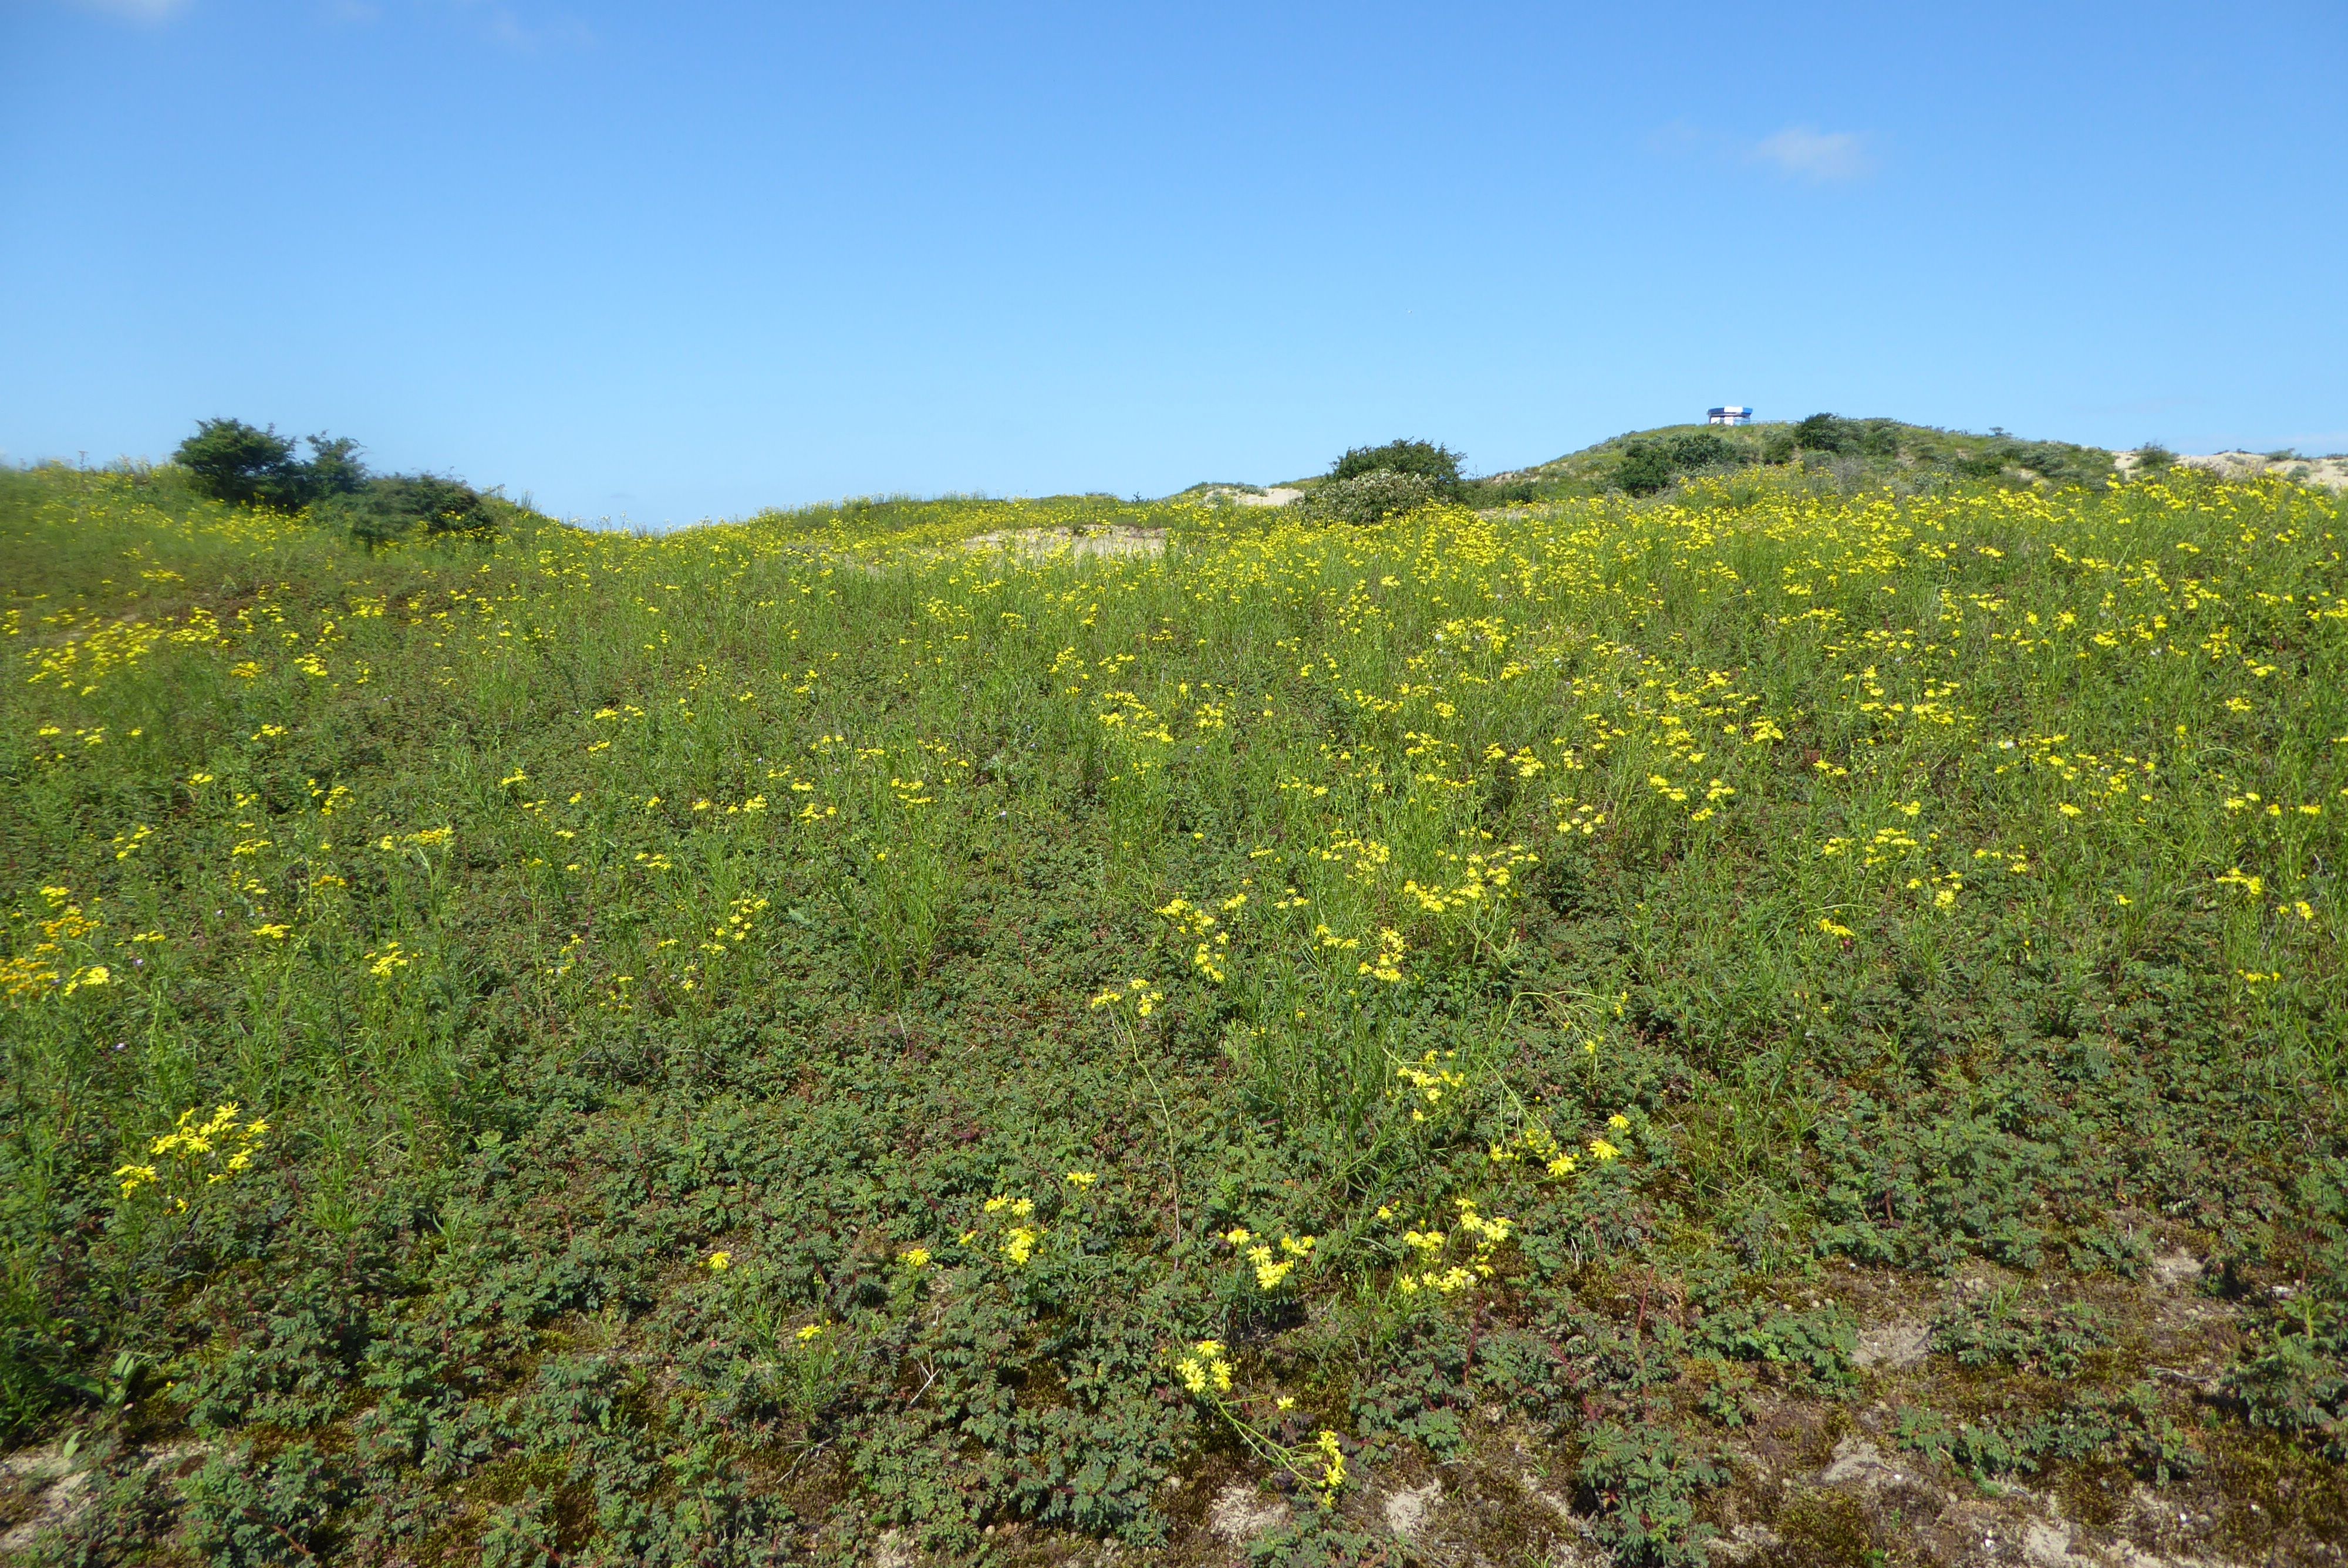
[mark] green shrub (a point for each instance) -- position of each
(1646, 469)
(1641, 1481)
(1700, 450)
(1365, 498)
(231, 461)
(392, 508)
(1826, 432)
(1985, 463)
(1439, 465)
(335, 468)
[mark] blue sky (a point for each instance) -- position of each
(663, 263)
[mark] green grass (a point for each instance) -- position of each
(1867, 455)
(771, 1033)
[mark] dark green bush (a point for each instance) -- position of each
(1365, 498)
(1983, 465)
(231, 461)
(1826, 432)
(1646, 469)
(335, 468)
(1439, 465)
(1700, 450)
(393, 506)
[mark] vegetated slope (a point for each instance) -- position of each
(1761, 1014)
(1851, 452)
(1825, 451)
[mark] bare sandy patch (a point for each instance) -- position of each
(2332, 473)
(1044, 544)
(1251, 496)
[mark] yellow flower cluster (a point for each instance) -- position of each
(1203, 1369)
(1139, 994)
(45, 970)
(1386, 964)
(1191, 920)
(738, 918)
(215, 1150)
(1332, 1463)
(385, 962)
(1430, 1079)
(1271, 1268)
(1018, 1244)
(1536, 1143)
(1436, 1268)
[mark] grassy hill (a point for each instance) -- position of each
(1825, 452)
(1853, 452)
(982, 1032)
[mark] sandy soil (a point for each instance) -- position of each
(2330, 472)
(1041, 543)
(1248, 495)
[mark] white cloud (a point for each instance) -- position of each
(137, 10)
(1818, 156)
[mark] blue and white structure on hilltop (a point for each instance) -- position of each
(1732, 413)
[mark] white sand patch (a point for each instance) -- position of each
(1044, 544)
(1249, 496)
(1240, 1514)
(2332, 473)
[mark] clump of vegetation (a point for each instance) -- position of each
(1370, 484)
(1371, 497)
(1437, 465)
(1834, 455)
(385, 508)
(535, 1044)
(231, 461)
(1832, 433)
(1649, 465)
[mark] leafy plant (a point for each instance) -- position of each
(1437, 465)
(1642, 1483)
(1361, 500)
(233, 462)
